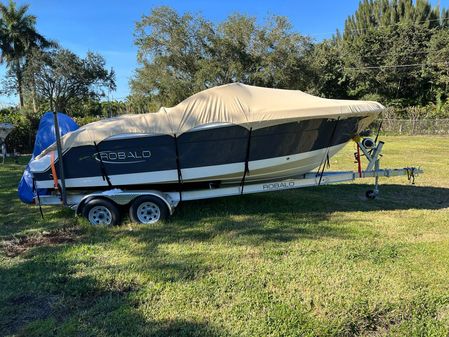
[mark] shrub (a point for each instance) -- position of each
(22, 137)
(86, 119)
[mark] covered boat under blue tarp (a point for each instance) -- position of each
(44, 138)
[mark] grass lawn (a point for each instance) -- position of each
(310, 262)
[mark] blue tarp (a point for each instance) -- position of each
(44, 138)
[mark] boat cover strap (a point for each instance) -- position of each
(178, 167)
(246, 171)
(326, 158)
(53, 170)
(104, 174)
(378, 131)
(377, 135)
(38, 198)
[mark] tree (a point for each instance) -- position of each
(63, 79)
(329, 79)
(403, 77)
(171, 49)
(270, 55)
(384, 48)
(181, 55)
(389, 14)
(388, 63)
(438, 60)
(18, 38)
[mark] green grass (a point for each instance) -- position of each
(311, 262)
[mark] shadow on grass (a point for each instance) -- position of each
(17, 217)
(324, 199)
(285, 216)
(49, 292)
(306, 211)
(248, 231)
(56, 298)
(276, 216)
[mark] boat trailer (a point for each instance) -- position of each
(151, 206)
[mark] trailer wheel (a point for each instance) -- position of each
(102, 212)
(148, 209)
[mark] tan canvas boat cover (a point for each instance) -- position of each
(234, 103)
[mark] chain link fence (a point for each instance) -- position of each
(414, 127)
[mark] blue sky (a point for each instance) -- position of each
(106, 26)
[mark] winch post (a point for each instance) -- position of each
(376, 177)
(375, 161)
(375, 156)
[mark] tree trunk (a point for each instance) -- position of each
(19, 89)
(33, 94)
(19, 83)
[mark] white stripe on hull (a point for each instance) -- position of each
(279, 167)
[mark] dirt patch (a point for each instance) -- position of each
(19, 245)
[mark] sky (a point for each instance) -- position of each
(107, 26)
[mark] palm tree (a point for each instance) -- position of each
(18, 38)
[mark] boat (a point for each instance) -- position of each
(225, 135)
(45, 137)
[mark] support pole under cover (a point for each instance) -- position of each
(61, 165)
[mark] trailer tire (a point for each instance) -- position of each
(101, 211)
(148, 209)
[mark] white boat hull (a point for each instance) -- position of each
(259, 170)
